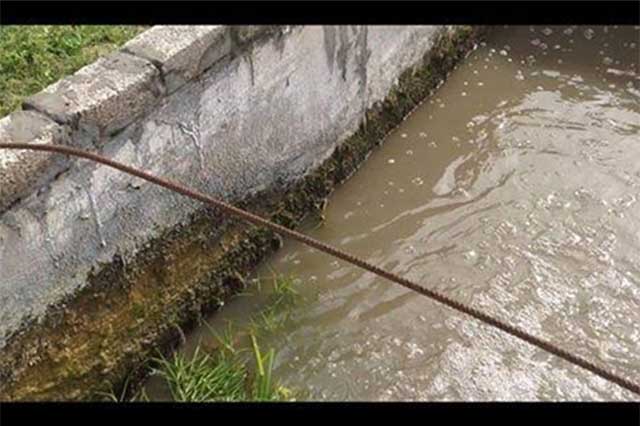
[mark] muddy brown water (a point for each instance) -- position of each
(515, 189)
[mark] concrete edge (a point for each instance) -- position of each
(104, 97)
(21, 172)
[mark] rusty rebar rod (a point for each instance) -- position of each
(311, 242)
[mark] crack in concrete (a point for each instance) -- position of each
(94, 213)
(193, 131)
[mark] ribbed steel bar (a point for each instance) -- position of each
(257, 220)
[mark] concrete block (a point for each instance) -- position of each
(103, 97)
(181, 52)
(22, 172)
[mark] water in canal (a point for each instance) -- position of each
(515, 189)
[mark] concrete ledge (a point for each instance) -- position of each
(21, 172)
(103, 97)
(97, 267)
(181, 52)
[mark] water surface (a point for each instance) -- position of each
(514, 189)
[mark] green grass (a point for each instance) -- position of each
(237, 370)
(204, 377)
(222, 376)
(34, 56)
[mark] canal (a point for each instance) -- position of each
(514, 188)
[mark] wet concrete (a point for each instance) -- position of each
(515, 189)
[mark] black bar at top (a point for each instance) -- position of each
(325, 12)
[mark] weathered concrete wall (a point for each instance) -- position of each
(231, 111)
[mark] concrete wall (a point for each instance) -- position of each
(231, 111)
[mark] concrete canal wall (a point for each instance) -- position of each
(97, 268)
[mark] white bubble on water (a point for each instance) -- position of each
(547, 31)
(410, 250)
(391, 161)
(589, 33)
(471, 255)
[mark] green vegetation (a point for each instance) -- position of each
(34, 56)
(278, 309)
(237, 369)
(227, 374)
(204, 377)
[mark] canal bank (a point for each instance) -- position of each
(99, 269)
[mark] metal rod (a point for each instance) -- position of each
(257, 220)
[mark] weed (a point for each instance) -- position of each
(220, 376)
(224, 375)
(204, 377)
(227, 339)
(112, 396)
